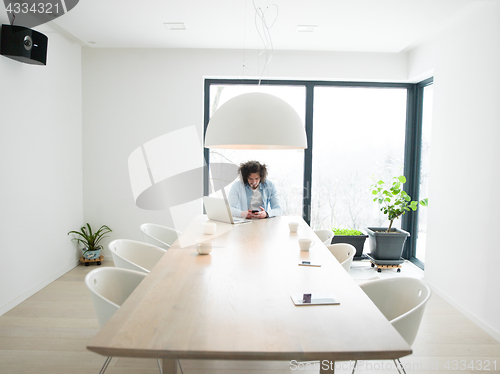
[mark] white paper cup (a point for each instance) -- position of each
(209, 228)
(204, 247)
(305, 244)
(293, 226)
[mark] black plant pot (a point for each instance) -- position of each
(386, 245)
(358, 241)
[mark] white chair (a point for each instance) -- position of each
(158, 235)
(325, 236)
(344, 253)
(134, 255)
(402, 301)
(109, 288)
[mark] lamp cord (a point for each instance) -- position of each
(265, 33)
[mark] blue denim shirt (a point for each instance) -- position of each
(240, 197)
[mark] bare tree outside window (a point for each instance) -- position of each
(358, 133)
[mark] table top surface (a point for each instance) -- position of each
(235, 302)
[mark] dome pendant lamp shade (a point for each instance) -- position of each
(255, 121)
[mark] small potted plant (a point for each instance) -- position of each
(351, 236)
(387, 243)
(90, 241)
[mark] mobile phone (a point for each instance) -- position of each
(255, 211)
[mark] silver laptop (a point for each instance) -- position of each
(219, 210)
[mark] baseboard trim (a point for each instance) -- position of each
(494, 334)
(18, 300)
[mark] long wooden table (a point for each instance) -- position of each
(234, 304)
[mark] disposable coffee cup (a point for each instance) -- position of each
(293, 226)
(204, 247)
(305, 244)
(209, 228)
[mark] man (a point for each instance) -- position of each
(254, 196)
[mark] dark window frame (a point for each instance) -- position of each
(413, 135)
(413, 147)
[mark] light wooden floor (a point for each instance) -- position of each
(47, 334)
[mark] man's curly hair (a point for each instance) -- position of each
(250, 167)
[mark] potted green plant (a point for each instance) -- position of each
(351, 236)
(387, 243)
(90, 240)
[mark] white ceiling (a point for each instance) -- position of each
(343, 25)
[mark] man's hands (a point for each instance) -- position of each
(248, 214)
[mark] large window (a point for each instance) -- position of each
(427, 93)
(355, 131)
(359, 133)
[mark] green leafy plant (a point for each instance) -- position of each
(394, 200)
(89, 239)
(347, 232)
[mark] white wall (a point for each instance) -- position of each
(131, 96)
(462, 242)
(41, 169)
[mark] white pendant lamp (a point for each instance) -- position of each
(255, 121)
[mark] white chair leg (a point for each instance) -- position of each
(105, 366)
(398, 364)
(354, 367)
